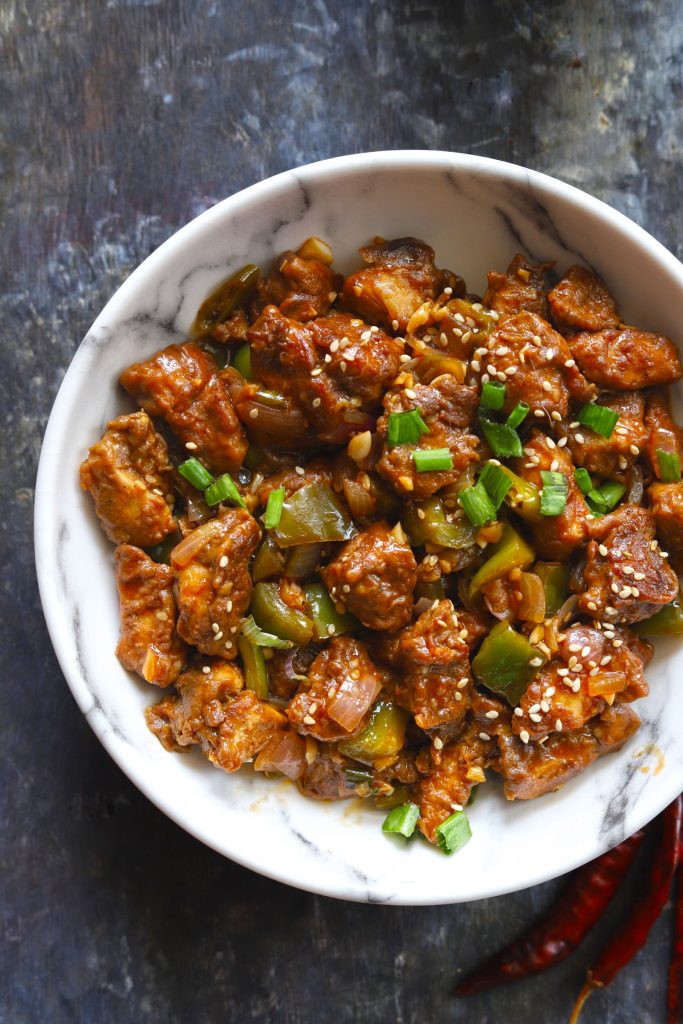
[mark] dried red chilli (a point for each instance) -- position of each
(627, 940)
(675, 992)
(563, 928)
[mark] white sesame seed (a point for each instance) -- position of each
(545, 707)
(161, 616)
(206, 670)
(550, 692)
(547, 386)
(539, 413)
(492, 714)
(627, 570)
(518, 712)
(511, 371)
(606, 660)
(639, 575)
(549, 441)
(536, 662)
(535, 718)
(569, 363)
(228, 643)
(592, 606)
(579, 438)
(316, 402)
(574, 424)
(635, 591)
(625, 592)
(562, 442)
(334, 345)
(309, 720)
(617, 643)
(438, 743)
(299, 470)
(575, 648)
(558, 725)
(614, 587)
(317, 371)
(458, 695)
(534, 709)
(410, 393)
(462, 683)
(585, 651)
(224, 561)
(555, 415)
(563, 671)
(554, 466)
(394, 325)
(191, 446)
(634, 449)
(484, 736)
(573, 661)
(603, 550)
(524, 736)
(476, 365)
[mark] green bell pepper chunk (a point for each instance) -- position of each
(327, 621)
(222, 302)
(504, 663)
(555, 579)
(242, 362)
(302, 560)
(668, 621)
(269, 560)
(255, 670)
(433, 590)
(274, 616)
(511, 552)
(313, 515)
(523, 497)
(434, 527)
(383, 736)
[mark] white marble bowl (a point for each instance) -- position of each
(476, 213)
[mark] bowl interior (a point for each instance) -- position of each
(476, 213)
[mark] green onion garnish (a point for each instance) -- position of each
(223, 489)
(554, 493)
(454, 832)
(504, 440)
(599, 418)
(477, 504)
(256, 636)
(402, 820)
(518, 415)
(583, 479)
(405, 427)
(195, 473)
(493, 395)
(669, 466)
(276, 499)
(602, 500)
(430, 460)
(496, 481)
(358, 776)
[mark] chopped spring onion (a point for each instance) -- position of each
(477, 505)
(358, 776)
(599, 418)
(602, 500)
(402, 820)
(669, 466)
(432, 460)
(405, 427)
(224, 489)
(454, 832)
(256, 636)
(583, 479)
(496, 481)
(195, 473)
(518, 415)
(493, 395)
(554, 493)
(276, 499)
(504, 440)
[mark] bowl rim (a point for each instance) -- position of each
(539, 184)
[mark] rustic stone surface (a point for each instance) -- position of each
(119, 121)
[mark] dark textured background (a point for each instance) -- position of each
(119, 121)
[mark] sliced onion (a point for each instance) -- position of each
(272, 427)
(361, 503)
(423, 604)
(191, 545)
(302, 560)
(532, 605)
(588, 638)
(636, 489)
(284, 752)
(353, 700)
(606, 684)
(354, 422)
